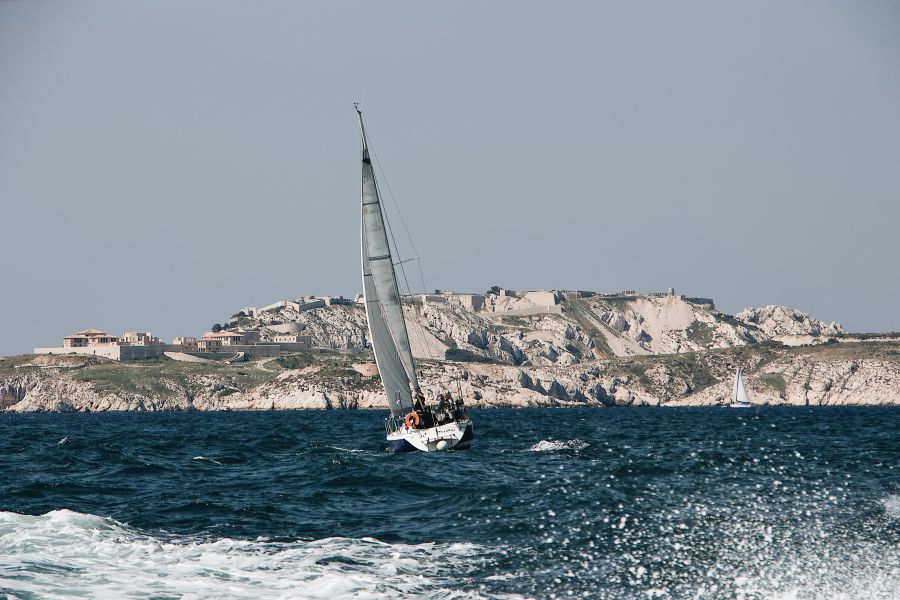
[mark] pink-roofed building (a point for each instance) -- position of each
(89, 337)
(213, 341)
(228, 338)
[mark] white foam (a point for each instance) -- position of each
(554, 445)
(353, 450)
(63, 554)
(891, 505)
(206, 459)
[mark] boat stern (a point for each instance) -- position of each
(457, 435)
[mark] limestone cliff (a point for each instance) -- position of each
(773, 321)
(829, 374)
(545, 328)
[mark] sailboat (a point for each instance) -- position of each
(413, 424)
(739, 397)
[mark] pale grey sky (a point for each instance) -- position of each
(163, 164)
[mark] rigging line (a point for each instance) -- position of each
(402, 220)
(390, 230)
(421, 329)
(388, 222)
(406, 261)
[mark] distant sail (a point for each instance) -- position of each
(739, 395)
(387, 327)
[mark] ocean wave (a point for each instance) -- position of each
(351, 450)
(891, 505)
(554, 445)
(206, 459)
(65, 554)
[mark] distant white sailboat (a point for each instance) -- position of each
(412, 425)
(739, 397)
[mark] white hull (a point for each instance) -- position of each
(737, 405)
(449, 436)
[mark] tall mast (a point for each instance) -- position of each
(362, 134)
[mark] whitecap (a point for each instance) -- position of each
(554, 445)
(891, 505)
(68, 554)
(206, 459)
(354, 450)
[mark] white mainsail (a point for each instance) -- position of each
(387, 327)
(739, 395)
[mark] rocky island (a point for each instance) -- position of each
(499, 349)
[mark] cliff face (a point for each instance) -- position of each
(548, 328)
(773, 321)
(828, 374)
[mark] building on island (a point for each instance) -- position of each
(139, 338)
(286, 338)
(213, 342)
(89, 337)
(208, 344)
(133, 345)
(250, 337)
(473, 302)
(228, 338)
(95, 337)
(93, 342)
(185, 342)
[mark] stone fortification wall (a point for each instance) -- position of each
(542, 297)
(473, 302)
(113, 352)
(253, 351)
(140, 352)
(295, 346)
(333, 301)
(310, 305)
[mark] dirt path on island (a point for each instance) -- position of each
(261, 365)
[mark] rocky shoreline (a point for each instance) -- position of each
(856, 373)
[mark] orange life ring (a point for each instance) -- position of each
(412, 420)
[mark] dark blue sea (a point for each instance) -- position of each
(596, 503)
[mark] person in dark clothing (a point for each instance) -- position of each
(443, 408)
(459, 410)
(419, 401)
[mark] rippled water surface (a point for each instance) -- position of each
(599, 503)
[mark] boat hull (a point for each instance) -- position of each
(457, 435)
